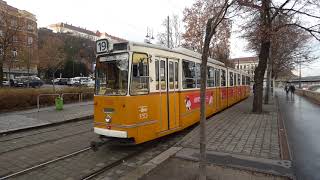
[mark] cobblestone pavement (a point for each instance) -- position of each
(22, 150)
(30, 118)
(26, 149)
(238, 131)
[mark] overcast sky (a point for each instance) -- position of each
(127, 19)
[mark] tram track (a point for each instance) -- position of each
(44, 164)
(42, 130)
(84, 163)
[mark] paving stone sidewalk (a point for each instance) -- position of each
(239, 131)
(30, 118)
(240, 145)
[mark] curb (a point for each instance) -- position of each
(283, 135)
(144, 169)
(11, 131)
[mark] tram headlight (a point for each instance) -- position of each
(108, 118)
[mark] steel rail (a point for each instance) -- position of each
(112, 165)
(45, 163)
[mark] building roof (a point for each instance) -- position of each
(245, 60)
(104, 34)
(70, 26)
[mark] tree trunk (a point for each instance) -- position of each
(203, 139)
(266, 28)
(267, 92)
(259, 76)
(1, 73)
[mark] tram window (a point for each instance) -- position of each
(176, 70)
(248, 80)
(157, 73)
(223, 77)
(243, 80)
(163, 75)
(230, 78)
(171, 75)
(140, 74)
(198, 75)
(188, 74)
(210, 77)
(217, 77)
(239, 79)
(235, 79)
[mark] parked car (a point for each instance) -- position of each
(87, 82)
(5, 83)
(25, 81)
(60, 81)
(74, 81)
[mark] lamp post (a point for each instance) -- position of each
(149, 35)
(72, 61)
(300, 74)
(14, 55)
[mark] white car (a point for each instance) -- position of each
(5, 83)
(87, 82)
(74, 81)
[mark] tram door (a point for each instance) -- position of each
(168, 95)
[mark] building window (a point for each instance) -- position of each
(14, 23)
(14, 38)
(30, 27)
(30, 40)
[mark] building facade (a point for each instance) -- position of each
(18, 41)
(81, 32)
(246, 64)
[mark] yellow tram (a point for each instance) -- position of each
(144, 91)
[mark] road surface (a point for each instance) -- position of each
(302, 120)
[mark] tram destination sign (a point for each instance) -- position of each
(103, 46)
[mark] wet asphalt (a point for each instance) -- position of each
(302, 121)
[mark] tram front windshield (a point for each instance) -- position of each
(112, 74)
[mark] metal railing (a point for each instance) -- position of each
(85, 93)
(79, 94)
(38, 98)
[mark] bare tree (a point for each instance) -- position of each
(9, 27)
(266, 12)
(174, 32)
(288, 45)
(218, 15)
(51, 54)
(195, 19)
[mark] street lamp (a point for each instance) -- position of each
(72, 61)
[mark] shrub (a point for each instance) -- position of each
(16, 99)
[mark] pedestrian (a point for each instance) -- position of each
(254, 88)
(292, 89)
(11, 83)
(286, 89)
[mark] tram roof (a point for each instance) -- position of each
(179, 50)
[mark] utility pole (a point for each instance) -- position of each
(168, 33)
(300, 74)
